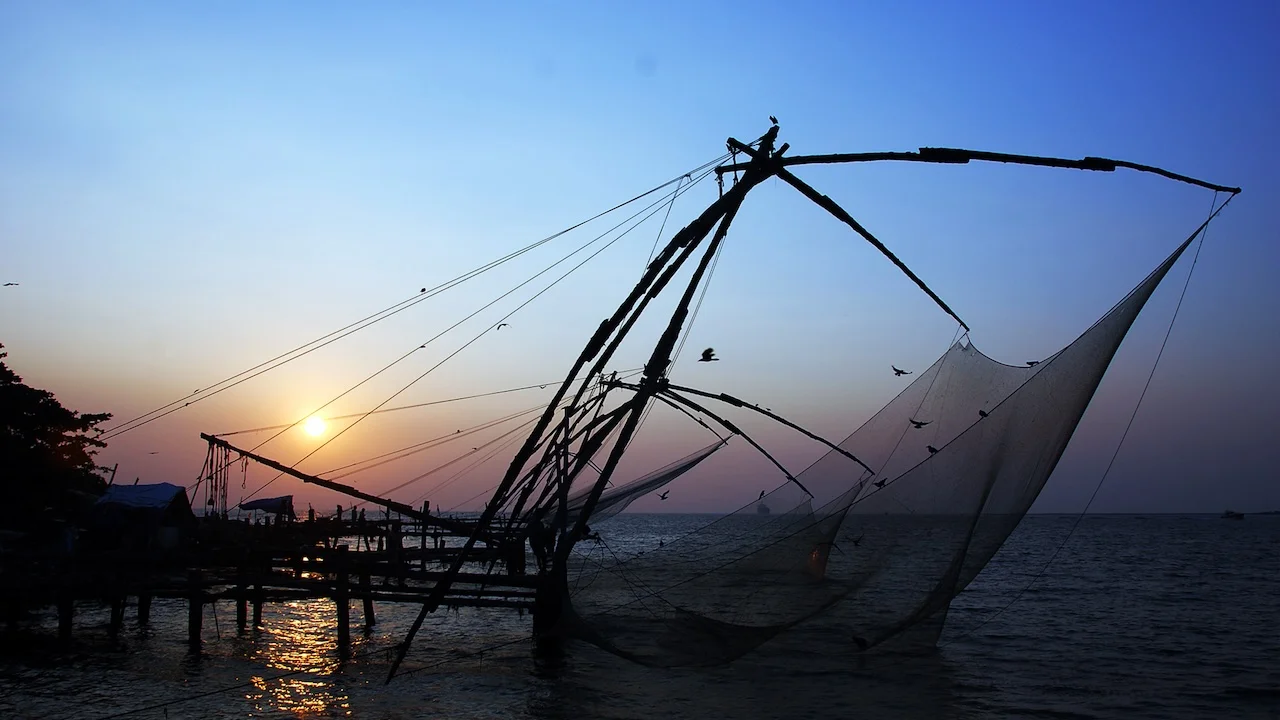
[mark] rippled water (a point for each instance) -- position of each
(1160, 617)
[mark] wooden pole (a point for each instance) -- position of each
(341, 596)
(366, 587)
(117, 617)
(144, 608)
(66, 611)
(195, 611)
(242, 601)
(257, 593)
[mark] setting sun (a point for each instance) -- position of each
(314, 425)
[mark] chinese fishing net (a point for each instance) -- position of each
(891, 549)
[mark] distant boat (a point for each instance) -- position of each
(1230, 515)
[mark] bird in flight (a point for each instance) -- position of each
(502, 325)
(918, 424)
(156, 452)
(982, 413)
(1032, 363)
(708, 355)
(10, 284)
(663, 495)
(880, 483)
(898, 373)
(932, 449)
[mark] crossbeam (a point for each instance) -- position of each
(956, 156)
(406, 510)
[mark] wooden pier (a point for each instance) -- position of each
(390, 560)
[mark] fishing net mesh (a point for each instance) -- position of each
(885, 552)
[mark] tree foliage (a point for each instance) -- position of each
(46, 453)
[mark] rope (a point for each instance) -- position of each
(476, 337)
(383, 314)
(1169, 331)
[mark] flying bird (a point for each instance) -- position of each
(708, 355)
(982, 413)
(918, 424)
(1032, 363)
(932, 449)
(773, 120)
(502, 325)
(157, 452)
(898, 372)
(880, 483)
(663, 495)
(10, 284)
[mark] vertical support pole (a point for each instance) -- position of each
(259, 571)
(195, 611)
(117, 617)
(395, 547)
(366, 587)
(144, 608)
(341, 597)
(66, 611)
(242, 602)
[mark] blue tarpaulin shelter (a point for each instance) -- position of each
(280, 506)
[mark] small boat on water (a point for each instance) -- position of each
(1231, 515)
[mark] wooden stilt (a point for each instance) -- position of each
(341, 597)
(195, 612)
(117, 617)
(242, 601)
(66, 611)
(366, 586)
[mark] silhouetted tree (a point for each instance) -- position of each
(46, 453)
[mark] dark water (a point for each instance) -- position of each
(1159, 617)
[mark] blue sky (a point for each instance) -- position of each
(186, 191)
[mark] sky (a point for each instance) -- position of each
(187, 191)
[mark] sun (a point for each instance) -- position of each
(314, 425)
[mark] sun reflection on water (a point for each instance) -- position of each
(300, 638)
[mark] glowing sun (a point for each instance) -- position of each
(314, 425)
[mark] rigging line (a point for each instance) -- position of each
(395, 409)
(663, 226)
(1204, 233)
(385, 313)
(407, 451)
(490, 304)
(480, 494)
(460, 458)
(472, 315)
(473, 340)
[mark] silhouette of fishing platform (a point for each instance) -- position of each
(344, 558)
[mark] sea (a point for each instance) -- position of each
(1096, 616)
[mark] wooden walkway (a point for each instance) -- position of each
(370, 562)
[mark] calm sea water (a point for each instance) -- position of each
(1156, 617)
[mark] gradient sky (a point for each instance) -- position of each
(186, 191)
